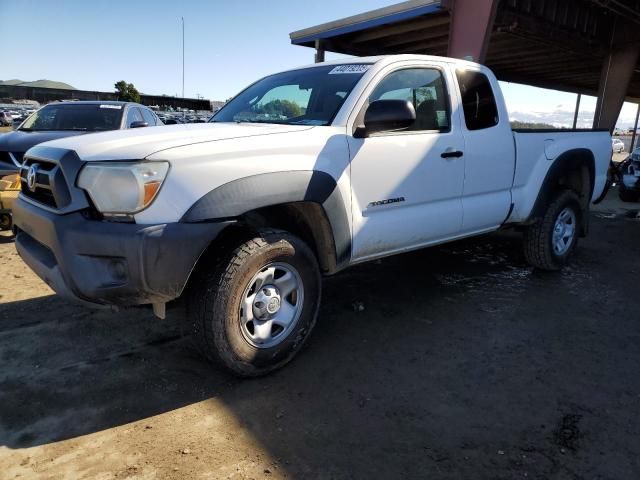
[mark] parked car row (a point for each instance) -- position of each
(10, 116)
(173, 118)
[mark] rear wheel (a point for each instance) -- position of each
(552, 239)
(255, 311)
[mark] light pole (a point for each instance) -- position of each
(182, 56)
(183, 112)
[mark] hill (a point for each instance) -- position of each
(38, 83)
(13, 81)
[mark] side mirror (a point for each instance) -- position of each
(138, 124)
(386, 116)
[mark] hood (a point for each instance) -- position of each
(139, 143)
(19, 141)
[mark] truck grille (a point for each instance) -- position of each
(44, 182)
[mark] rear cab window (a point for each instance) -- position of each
(478, 101)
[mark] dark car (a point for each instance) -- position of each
(65, 119)
(629, 178)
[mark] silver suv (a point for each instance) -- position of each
(6, 120)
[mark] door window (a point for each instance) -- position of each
(149, 117)
(478, 101)
(425, 89)
(133, 115)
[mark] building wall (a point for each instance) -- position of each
(46, 95)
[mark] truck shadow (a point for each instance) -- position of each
(412, 355)
(63, 361)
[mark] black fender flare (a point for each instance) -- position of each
(569, 161)
(235, 198)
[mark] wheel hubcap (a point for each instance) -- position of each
(266, 302)
(563, 231)
(271, 305)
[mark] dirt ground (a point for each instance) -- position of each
(465, 363)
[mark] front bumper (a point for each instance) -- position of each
(110, 263)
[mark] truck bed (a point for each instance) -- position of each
(536, 151)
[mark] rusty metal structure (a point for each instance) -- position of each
(580, 46)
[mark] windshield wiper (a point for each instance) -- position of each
(26, 129)
(260, 121)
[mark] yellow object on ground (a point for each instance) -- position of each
(9, 190)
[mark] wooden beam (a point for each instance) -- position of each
(415, 37)
(423, 23)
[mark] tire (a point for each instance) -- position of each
(627, 195)
(5, 221)
(540, 250)
(217, 307)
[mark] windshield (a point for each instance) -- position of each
(311, 96)
(69, 116)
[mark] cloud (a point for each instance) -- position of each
(560, 116)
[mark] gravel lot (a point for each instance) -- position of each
(465, 363)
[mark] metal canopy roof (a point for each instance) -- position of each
(558, 44)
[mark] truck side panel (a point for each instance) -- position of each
(536, 152)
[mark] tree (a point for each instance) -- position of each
(531, 125)
(286, 108)
(127, 92)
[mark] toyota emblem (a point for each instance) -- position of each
(31, 177)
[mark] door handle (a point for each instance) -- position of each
(452, 154)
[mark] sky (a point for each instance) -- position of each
(92, 44)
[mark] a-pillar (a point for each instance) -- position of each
(319, 58)
(471, 26)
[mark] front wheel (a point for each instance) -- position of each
(255, 311)
(552, 239)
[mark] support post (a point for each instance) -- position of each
(635, 128)
(575, 115)
(471, 26)
(319, 51)
(615, 77)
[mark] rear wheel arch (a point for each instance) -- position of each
(573, 170)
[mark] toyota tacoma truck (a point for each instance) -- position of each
(302, 174)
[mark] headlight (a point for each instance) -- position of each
(122, 188)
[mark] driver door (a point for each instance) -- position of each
(407, 185)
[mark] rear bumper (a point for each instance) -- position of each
(110, 263)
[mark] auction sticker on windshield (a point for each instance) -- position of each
(116, 107)
(341, 69)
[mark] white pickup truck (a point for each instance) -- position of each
(302, 174)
